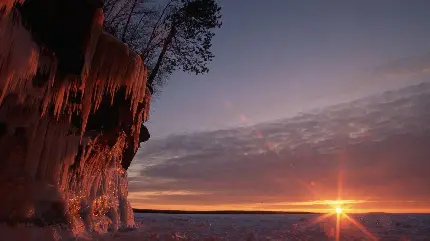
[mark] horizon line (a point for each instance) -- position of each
(172, 211)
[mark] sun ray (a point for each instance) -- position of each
(338, 205)
(360, 227)
(340, 175)
(338, 217)
(319, 219)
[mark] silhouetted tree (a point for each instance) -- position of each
(174, 36)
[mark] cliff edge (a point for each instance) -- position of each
(73, 100)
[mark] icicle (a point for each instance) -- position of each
(96, 30)
(135, 130)
(19, 56)
(35, 149)
(6, 5)
(59, 98)
(96, 185)
(48, 66)
(113, 66)
(147, 101)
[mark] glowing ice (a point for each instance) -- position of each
(51, 170)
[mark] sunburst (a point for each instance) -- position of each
(340, 213)
(338, 207)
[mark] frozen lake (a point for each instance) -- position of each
(277, 227)
(158, 227)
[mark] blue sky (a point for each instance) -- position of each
(275, 58)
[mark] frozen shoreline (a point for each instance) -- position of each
(239, 227)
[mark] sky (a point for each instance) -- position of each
(274, 60)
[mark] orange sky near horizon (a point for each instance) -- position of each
(320, 206)
(387, 183)
(383, 181)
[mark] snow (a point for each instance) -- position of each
(240, 227)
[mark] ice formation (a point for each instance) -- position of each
(63, 135)
(6, 5)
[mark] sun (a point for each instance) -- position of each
(338, 210)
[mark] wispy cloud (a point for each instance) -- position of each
(412, 66)
(323, 202)
(151, 194)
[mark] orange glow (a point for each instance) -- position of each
(319, 219)
(338, 217)
(338, 209)
(361, 227)
(144, 204)
(327, 204)
(340, 214)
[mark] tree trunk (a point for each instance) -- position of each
(166, 44)
(128, 21)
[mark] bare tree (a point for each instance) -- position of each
(169, 36)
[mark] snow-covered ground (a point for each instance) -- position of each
(414, 227)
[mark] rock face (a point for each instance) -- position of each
(73, 100)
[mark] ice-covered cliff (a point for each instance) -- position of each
(73, 100)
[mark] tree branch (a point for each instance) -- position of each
(154, 72)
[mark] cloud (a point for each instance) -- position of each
(377, 147)
(413, 66)
(323, 202)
